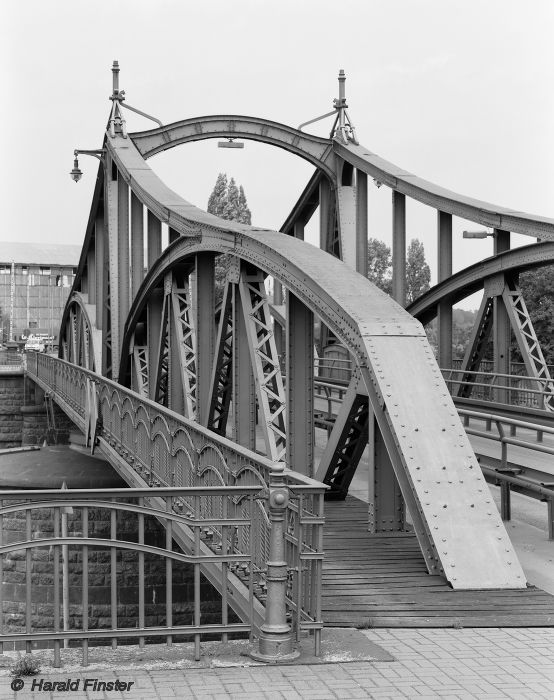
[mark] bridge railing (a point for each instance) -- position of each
(164, 449)
(518, 390)
(84, 538)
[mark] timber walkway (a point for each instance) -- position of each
(381, 581)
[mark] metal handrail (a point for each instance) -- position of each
(164, 449)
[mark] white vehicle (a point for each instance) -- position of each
(35, 345)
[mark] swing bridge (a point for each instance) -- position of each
(245, 448)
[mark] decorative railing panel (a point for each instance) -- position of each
(57, 544)
(166, 449)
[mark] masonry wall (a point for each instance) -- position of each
(15, 576)
(23, 418)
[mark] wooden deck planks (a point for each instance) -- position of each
(382, 581)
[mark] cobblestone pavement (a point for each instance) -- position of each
(429, 663)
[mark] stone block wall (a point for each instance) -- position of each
(15, 576)
(23, 418)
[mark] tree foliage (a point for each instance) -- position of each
(228, 202)
(379, 264)
(537, 287)
(418, 274)
(379, 268)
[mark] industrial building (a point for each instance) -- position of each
(35, 281)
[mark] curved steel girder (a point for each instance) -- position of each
(442, 199)
(472, 278)
(87, 313)
(425, 439)
(314, 149)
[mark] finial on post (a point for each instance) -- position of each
(115, 73)
(116, 122)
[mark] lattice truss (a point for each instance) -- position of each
(221, 384)
(265, 361)
(176, 335)
(511, 297)
(76, 340)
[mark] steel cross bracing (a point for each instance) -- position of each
(409, 411)
(371, 332)
(267, 371)
(527, 340)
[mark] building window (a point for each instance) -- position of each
(5, 269)
(24, 269)
(33, 324)
(45, 271)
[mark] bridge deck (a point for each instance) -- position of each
(381, 581)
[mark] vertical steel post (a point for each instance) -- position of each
(399, 247)
(275, 636)
(137, 244)
(244, 395)
(299, 230)
(501, 323)
(389, 507)
(277, 329)
(205, 332)
(154, 324)
(123, 280)
(324, 212)
(154, 242)
(91, 275)
(300, 386)
(444, 243)
(361, 222)
(99, 267)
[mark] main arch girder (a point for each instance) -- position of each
(430, 452)
(472, 279)
(316, 150)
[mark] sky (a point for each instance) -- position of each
(458, 92)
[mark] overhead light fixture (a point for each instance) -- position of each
(76, 174)
(230, 144)
(477, 234)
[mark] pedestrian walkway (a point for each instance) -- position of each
(516, 663)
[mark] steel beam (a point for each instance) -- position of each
(244, 394)
(99, 238)
(501, 329)
(325, 198)
(388, 507)
(154, 243)
(205, 332)
(154, 323)
(122, 254)
(399, 247)
(111, 331)
(361, 222)
(137, 244)
(444, 243)
(300, 386)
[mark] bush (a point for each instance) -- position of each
(27, 665)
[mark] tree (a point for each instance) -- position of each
(537, 287)
(379, 268)
(379, 264)
(228, 202)
(418, 274)
(218, 197)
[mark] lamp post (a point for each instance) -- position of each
(76, 174)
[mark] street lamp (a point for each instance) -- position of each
(477, 234)
(76, 174)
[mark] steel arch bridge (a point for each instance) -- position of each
(154, 349)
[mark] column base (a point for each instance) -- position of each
(273, 650)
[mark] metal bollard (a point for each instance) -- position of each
(275, 639)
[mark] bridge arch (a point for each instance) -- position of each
(316, 150)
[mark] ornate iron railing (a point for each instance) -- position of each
(159, 448)
(78, 622)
